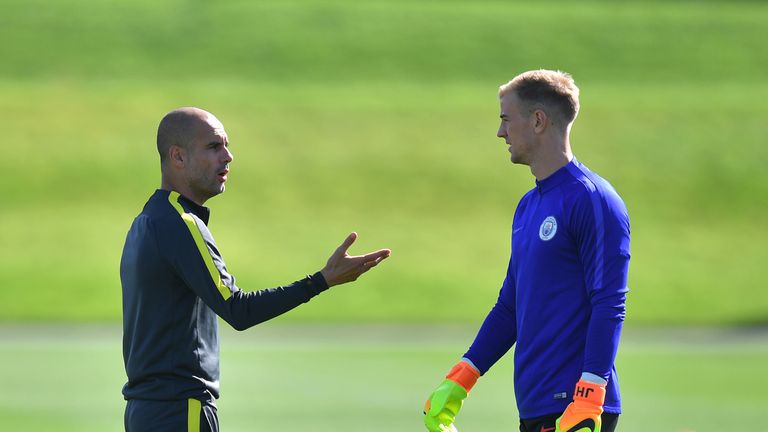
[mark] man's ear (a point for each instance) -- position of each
(539, 121)
(177, 155)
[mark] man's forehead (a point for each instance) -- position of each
(219, 130)
(508, 98)
(508, 102)
(213, 124)
(210, 129)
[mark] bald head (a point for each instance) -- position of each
(180, 126)
(194, 153)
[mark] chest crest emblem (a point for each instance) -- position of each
(548, 228)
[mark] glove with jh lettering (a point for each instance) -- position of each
(583, 414)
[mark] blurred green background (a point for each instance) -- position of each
(380, 117)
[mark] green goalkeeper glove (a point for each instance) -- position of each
(445, 402)
(583, 414)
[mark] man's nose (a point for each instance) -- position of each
(229, 156)
(501, 133)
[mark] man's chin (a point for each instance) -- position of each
(216, 191)
(518, 160)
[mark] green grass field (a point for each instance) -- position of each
(373, 378)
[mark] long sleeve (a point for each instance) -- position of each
(175, 284)
(601, 226)
(498, 332)
(189, 248)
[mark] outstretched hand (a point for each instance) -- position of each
(342, 267)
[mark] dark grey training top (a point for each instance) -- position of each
(175, 282)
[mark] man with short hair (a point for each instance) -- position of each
(563, 298)
(175, 283)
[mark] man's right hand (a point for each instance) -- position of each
(445, 402)
(342, 267)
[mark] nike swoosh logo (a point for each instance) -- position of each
(543, 429)
(586, 425)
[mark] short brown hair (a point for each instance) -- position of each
(552, 91)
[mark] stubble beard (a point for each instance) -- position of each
(207, 187)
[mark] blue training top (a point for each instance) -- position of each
(563, 298)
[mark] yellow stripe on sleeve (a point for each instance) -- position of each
(202, 248)
(193, 415)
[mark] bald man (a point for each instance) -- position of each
(175, 283)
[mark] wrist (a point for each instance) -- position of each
(590, 377)
(316, 283)
(464, 375)
(469, 362)
(326, 279)
(589, 392)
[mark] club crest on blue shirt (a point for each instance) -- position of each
(548, 228)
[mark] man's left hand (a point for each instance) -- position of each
(583, 414)
(342, 267)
